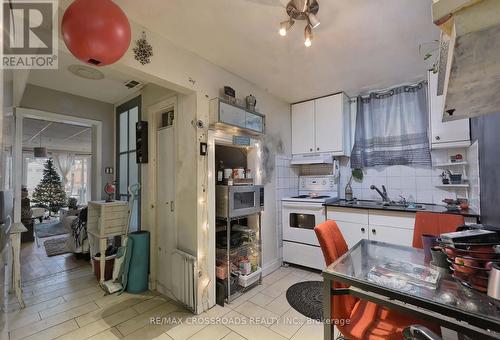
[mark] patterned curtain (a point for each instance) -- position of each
(391, 128)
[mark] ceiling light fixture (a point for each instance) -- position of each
(301, 10)
(285, 26)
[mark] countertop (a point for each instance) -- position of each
(376, 205)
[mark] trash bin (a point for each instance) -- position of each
(108, 266)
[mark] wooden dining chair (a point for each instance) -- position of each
(434, 224)
(367, 320)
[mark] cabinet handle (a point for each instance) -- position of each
(362, 230)
(311, 149)
(438, 138)
(317, 149)
(374, 231)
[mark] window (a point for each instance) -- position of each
(127, 170)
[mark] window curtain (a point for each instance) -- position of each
(391, 128)
(64, 163)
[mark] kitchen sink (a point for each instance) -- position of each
(381, 205)
(366, 203)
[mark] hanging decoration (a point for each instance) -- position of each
(96, 32)
(143, 51)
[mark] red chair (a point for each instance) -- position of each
(434, 224)
(368, 321)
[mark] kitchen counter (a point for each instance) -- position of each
(377, 205)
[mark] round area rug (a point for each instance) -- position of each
(307, 298)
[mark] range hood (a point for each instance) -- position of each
(316, 158)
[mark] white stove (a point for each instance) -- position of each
(301, 214)
(316, 189)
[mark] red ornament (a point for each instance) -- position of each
(96, 31)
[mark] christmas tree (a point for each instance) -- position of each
(50, 191)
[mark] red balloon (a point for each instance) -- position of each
(96, 32)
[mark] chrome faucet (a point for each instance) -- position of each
(382, 193)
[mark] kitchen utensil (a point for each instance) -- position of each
(455, 178)
(470, 237)
(439, 257)
(494, 282)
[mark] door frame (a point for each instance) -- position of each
(149, 203)
(96, 163)
(129, 104)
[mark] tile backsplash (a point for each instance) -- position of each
(415, 183)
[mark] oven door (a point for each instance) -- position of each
(299, 220)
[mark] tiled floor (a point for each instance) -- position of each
(70, 305)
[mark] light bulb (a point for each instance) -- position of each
(308, 36)
(285, 26)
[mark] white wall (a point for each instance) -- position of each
(198, 81)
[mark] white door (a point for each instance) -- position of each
(329, 124)
(165, 193)
(444, 133)
(303, 128)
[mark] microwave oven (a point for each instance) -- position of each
(238, 200)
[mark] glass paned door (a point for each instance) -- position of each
(127, 171)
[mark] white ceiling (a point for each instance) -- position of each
(360, 45)
(56, 136)
(109, 90)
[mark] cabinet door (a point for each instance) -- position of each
(403, 237)
(444, 134)
(353, 232)
(329, 121)
(303, 128)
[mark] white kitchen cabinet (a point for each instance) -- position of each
(448, 134)
(401, 236)
(353, 232)
(322, 125)
(303, 128)
(383, 226)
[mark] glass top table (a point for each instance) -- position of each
(397, 276)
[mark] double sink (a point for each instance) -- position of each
(386, 205)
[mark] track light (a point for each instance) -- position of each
(313, 20)
(285, 26)
(305, 10)
(308, 35)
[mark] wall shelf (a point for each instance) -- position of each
(465, 185)
(445, 165)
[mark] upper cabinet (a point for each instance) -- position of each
(468, 60)
(235, 119)
(322, 126)
(444, 134)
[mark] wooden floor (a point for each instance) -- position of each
(70, 305)
(35, 263)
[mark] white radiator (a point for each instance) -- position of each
(184, 278)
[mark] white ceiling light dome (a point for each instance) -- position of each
(86, 72)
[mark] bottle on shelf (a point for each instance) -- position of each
(220, 172)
